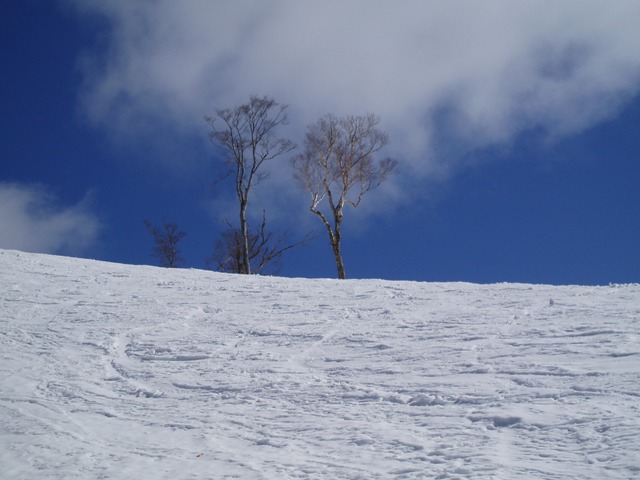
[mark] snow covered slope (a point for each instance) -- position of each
(122, 372)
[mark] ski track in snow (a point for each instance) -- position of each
(114, 371)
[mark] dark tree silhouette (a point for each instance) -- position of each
(265, 250)
(166, 239)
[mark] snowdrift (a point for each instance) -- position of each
(115, 371)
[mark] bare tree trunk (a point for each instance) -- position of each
(246, 256)
(335, 236)
(339, 263)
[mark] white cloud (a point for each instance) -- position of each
(495, 68)
(33, 221)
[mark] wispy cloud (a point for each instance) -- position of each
(475, 73)
(32, 220)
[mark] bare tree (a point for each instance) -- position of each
(246, 136)
(338, 166)
(166, 241)
(265, 249)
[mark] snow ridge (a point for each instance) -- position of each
(115, 371)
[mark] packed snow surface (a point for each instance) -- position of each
(122, 372)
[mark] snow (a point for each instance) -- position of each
(116, 371)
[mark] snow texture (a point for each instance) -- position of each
(119, 372)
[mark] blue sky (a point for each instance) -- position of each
(515, 128)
